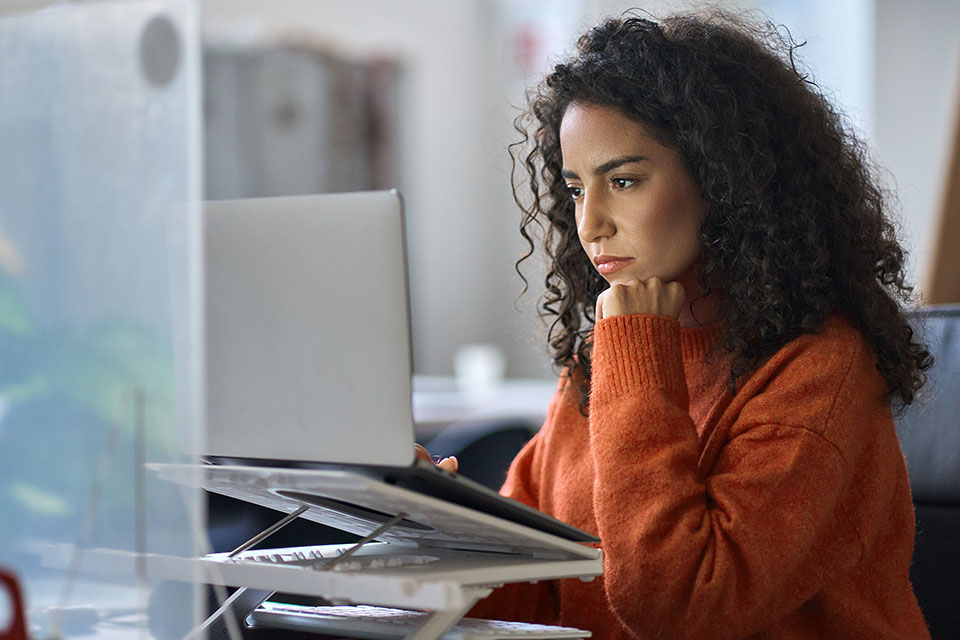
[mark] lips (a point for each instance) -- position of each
(610, 264)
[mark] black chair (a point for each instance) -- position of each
(484, 449)
(930, 437)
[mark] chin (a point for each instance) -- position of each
(625, 277)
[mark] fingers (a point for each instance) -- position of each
(422, 453)
(450, 464)
(651, 296)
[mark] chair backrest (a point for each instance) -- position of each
(929, 433)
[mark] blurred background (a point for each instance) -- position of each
(312, 96)
(306, 96)
(324, 95)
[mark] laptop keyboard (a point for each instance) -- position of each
(382, 622)
(318, 557)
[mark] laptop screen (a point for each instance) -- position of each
(307, 329)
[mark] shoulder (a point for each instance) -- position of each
(815, 378)
(837, 349)
(833, 353)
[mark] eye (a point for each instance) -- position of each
(622, 183)
(575, 192)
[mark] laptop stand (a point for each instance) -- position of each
(424, 556)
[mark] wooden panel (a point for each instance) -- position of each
(943, 283)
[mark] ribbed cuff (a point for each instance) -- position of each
(697, 342)
(634, 352)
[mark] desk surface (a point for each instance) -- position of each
(438, 402)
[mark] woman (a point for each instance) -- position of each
(725, 290)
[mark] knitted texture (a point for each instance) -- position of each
(780, 512)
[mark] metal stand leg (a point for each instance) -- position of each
(243, 601)
(269, 531)
(440, 622)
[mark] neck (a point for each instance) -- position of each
(705, 307)
(705, 312)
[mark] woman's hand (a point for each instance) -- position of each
(450, 464)
(641, 296)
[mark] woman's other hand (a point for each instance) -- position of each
(450, 464)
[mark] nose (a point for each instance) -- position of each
(593, 220)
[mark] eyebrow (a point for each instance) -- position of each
(609, 165)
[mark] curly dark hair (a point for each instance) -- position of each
(796, 227)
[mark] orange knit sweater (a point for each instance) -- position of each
(781, 512)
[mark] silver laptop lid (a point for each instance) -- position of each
(308, 339)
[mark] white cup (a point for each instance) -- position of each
(479, 369)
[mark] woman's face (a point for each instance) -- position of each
(638, 210)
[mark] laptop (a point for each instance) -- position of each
(309, 374)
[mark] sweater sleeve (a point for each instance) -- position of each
(726, 554)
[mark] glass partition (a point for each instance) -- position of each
(100, 369)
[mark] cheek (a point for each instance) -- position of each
(682, 212)
(688, 230)
(672, 223)
(656, 223)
